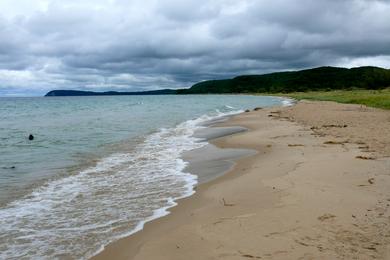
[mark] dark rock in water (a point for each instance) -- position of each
(30, 137)
(6, 168)
(246, 111)
(257, 108)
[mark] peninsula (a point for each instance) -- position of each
(316, 79)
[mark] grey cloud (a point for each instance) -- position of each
(150, 44)
(188, 11)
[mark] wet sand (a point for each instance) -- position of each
(317, 188)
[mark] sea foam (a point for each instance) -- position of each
(77, 215)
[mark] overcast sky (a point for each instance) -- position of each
(150, 44)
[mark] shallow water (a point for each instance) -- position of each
(98, 168)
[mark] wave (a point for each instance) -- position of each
(287, 102)
(74, 216)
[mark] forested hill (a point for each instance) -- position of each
(322, 78)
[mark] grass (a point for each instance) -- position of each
(372, 98)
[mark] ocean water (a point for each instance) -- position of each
(98, 168)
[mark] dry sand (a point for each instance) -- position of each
(318, 188)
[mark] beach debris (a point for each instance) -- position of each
(30, 137)
(326, 216)
(279, 136)
(278, 116)
(227, 204)
(294, 145)
(301, 242)
(269, 145)
(249, 255)
(274, 114)
(370, 248)
(339, 126)
(365, 157)
(336, 142)
(317, 134)
(217, 222)
(371, 180)
(257, 108)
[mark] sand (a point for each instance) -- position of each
(317, 188)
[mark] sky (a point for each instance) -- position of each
(139, 45)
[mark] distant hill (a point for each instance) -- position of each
(62, 93)
(322, 78)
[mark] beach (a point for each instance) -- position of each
(316, 188)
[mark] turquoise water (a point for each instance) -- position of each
(98, 168)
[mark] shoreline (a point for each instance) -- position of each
(221, 160)
(199, 161)
(210, 222)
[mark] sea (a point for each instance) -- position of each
(98, 168)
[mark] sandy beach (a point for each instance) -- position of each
(317, 188)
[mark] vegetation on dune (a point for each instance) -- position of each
(317, 79)
(364, 85)
(372, 98)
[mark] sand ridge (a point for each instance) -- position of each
(307, 193)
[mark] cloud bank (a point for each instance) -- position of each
(149, 44)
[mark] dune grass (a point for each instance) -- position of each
(372, 98)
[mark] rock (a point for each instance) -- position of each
(246, 111)
(257, 108)
(11, 167)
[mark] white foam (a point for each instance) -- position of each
(287, 102)
(78, 213)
